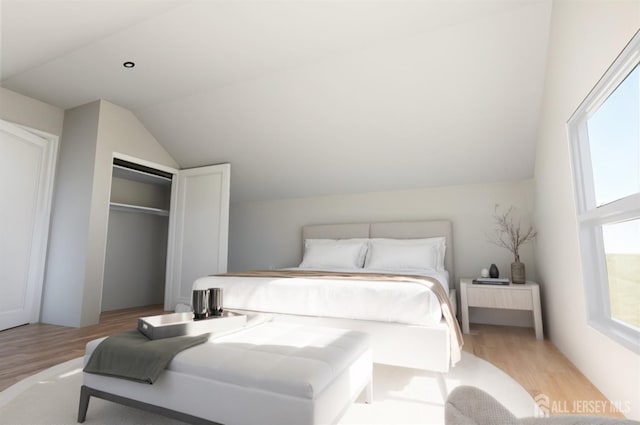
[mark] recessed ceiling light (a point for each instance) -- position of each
(128, 64)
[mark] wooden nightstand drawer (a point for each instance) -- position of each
(499, 298)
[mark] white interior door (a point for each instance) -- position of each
(27, 162)
(198, 229)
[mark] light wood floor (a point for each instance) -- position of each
(28, 349)
(537, 365)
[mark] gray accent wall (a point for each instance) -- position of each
(136, 256)
(77, 245)
(70, 218)
(126, 191)
(134, 273)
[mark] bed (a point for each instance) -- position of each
(392, 280)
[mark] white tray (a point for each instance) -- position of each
(177, 324)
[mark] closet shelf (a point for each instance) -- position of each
(137, 208)
(141, 176)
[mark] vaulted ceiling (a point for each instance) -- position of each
(302, 97)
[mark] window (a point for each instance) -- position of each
(605, 148)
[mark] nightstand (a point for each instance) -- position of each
(513, 297)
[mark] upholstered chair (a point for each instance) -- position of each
(472, 406)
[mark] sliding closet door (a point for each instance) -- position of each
(198, 229)
(27, 163)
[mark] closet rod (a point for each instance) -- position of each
(142, 168)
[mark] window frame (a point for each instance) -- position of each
(590, 216)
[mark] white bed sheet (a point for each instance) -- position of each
(398, 302)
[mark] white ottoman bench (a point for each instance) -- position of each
(273, 373)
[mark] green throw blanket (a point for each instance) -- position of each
(131, 355)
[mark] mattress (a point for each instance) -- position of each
(393, 301)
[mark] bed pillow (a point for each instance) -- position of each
(334, 253)
(406, 254)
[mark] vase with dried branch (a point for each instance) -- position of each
(510, 235)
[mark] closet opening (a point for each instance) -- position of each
(137, 233)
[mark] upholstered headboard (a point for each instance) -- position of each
(393, 229)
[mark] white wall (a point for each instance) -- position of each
(267, 234)
(586, 37)
(30, 112)
(92, 132)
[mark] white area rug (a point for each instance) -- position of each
(401, 396)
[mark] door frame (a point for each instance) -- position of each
(40, 238)
(176, 226)
(174, 188)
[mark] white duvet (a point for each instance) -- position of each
(399, 302)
